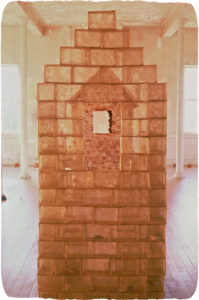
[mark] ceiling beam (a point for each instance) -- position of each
(34, 24)
(171, 25)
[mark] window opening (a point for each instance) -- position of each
(191, 99)
(10, 96)
(102, 122)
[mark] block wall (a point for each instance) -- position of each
(102, 205)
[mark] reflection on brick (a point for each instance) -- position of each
(70, 162)
(82, 180)
(134, 162)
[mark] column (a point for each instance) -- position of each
(180, 102)
(2, 196)
(24, 119)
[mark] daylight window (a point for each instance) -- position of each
(10, 96)
(191, 99)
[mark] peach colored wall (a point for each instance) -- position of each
(45, 50)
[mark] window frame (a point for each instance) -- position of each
(17, 133)
(185, 100)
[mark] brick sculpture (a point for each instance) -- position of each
(102, 202)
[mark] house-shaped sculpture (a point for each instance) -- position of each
(102, 195)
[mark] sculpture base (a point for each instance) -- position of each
(24, 176)
(179, 175)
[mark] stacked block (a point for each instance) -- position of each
(102, 206)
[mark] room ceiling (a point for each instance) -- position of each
(74, 13)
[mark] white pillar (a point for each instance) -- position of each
(24, 120)
(180, 103)
(2, 196)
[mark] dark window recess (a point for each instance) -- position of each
(110, 120)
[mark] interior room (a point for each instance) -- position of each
(99, 149)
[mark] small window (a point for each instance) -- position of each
(102, 121)
(191, 99)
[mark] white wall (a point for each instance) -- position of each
(45, 50)
(41, 51)
(163, 53)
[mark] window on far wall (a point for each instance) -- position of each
(191, 99)
(10, 99)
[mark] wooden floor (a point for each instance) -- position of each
(20, 234)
